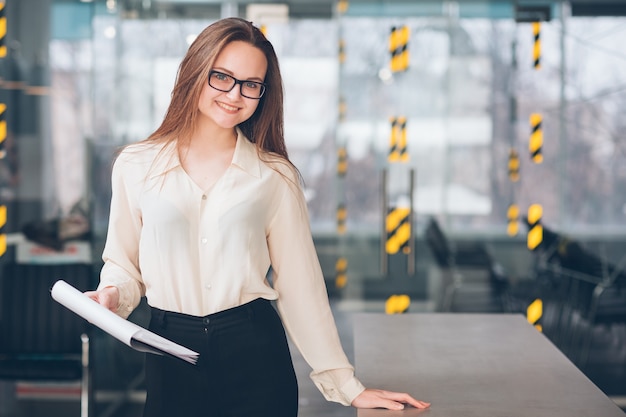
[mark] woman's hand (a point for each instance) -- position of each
(376, 398)
(108, 297)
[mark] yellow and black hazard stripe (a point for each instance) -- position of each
(342, 215)
(397, 140)
(401, 126)
(513, 165)
(397, 304)
(393, 155)
(512, 215)
(536, 45)
(3, 126)
(534, 312)
(3, 129)
(535, 145)
(535, 229)
(342, 161)
(3, 29)
(398, 229)
(3, 235)
(341, 272)
(342, 51)
(398, 48)
(342, 108)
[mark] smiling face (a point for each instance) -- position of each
(228, 109)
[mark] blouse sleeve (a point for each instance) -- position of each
(121, 250)
(303, 301)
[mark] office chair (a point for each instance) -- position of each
(41, 340)
(466, 268)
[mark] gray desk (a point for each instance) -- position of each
(466, 365)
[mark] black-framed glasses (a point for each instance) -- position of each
(224, 82)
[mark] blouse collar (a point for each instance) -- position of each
(245, 157)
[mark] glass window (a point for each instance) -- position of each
(467, 97)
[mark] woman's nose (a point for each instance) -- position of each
(234, 92)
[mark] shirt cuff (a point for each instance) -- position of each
(352, 389)
(328, 384)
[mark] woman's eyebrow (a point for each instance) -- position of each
(225, 71)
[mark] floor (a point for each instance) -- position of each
(606, 367)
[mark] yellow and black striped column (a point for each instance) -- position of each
(398, 140)
(3, 29)
(3, 126)
(341, 272)
(3, 234)
(3, 53)
(536, 45)
(398, 230)
(513, 165)
(342, 51)
(398, 48)
(535, 229)
(343, 107)
(535, 145)
(3, 130)
(512, 215)
(393, 155)
(534, 312)
(342, 161)
(341, 261)
(341, 265)
(342, 215)
(342, 168)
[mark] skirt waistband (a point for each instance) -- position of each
(244, 311)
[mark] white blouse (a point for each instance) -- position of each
(199, 251)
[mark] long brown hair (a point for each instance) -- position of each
(265, 127)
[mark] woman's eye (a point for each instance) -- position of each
(252, 85)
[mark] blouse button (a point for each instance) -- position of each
(204, 196)
(204, 240)
(207, 286)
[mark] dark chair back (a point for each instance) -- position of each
(40, 339)
(438, 243)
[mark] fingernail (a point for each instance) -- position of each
(399, 406)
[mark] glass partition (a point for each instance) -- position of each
(467, 97)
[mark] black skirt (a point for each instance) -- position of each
(244, 368)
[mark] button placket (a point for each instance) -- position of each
(206, 227)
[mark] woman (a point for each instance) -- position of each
(200, 211)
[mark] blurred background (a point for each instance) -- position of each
(459, 156)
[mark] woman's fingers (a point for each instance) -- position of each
(373, 398)
(107, 297)
(406, 398)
